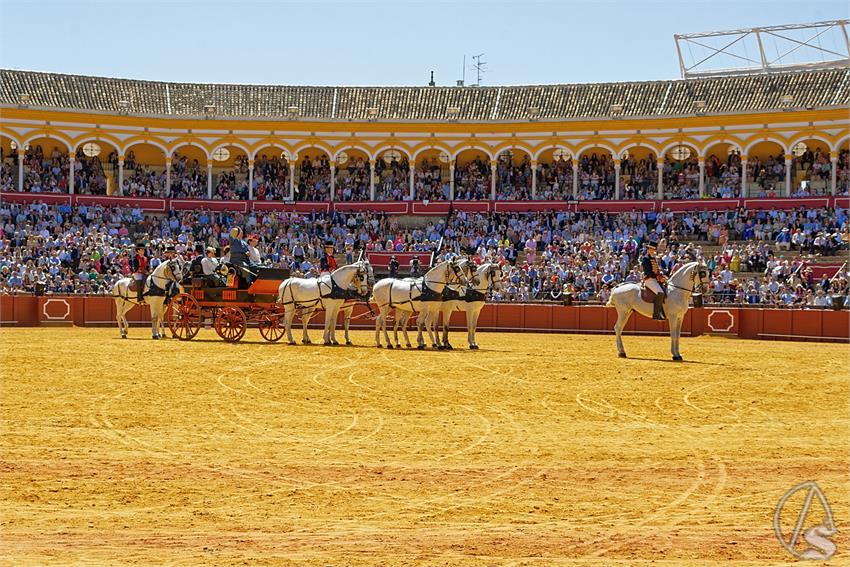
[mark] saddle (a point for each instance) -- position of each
(134, 284)
(646, 294)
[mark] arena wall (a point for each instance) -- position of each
(749, 323)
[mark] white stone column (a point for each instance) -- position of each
(250, 180)
(659, 163)
(20, 170)
(533, 179)
(701, 176)
(372, 163)
(70, 174)
(744, 192)
(617, 179)
(120, 188)
(494, 166)
(788, 158)
(412, 181)
(168, 177)
(333, 182)
(833, 173)
(575, 178)
(292, 181)
(452, 182)
(209, 180)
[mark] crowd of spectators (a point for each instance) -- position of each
(47, 172)
(584, 255)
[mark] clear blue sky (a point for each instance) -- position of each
(377, 43)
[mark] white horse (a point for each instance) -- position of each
(471, 300)
(327, 292)
(167, 274)
(352, 299)
(625, 298)
(411, 296)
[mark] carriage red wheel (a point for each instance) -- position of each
(270, 327)
(184, 317)
(231, 324)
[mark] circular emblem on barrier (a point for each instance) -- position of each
(51, 313)
(718, 318)
(820, 546)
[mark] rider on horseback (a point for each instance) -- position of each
(653, 278)
(139, 265)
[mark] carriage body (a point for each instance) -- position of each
(231, 308)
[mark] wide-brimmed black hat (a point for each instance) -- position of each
(652, 244)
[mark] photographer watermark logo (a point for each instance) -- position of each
(820, 546)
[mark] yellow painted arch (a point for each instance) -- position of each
(430, 145)
(96, 137)
(514, 145)
(51, 135)
(812, 136)
(474, 147)
(314, 144)
(265, 144)
(595, 144)
(233, 142)
(552, 146)
(381, 148)
(709, 143)
(137, 140)
(759, 138)
(12, 136)
(352, 146)
(635, 143)
(680, 141)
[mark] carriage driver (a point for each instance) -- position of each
(139, 265)
(239, 252)
(327, 263)
(653, 277)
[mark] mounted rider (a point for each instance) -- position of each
(139, 265)
(327, 263)
(653, 279)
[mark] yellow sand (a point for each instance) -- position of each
(536, 450)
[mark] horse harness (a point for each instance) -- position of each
(335, 291)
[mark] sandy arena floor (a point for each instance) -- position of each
(536, 450)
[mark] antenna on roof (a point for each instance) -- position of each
(480, 68)
(432, 83)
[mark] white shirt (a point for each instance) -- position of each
(209, 265)
(254, 255)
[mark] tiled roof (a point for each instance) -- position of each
(815, 89)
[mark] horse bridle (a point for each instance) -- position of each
(696, 280)
(170, 266)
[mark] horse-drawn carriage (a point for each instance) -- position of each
(230, 308)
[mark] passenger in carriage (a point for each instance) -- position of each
(239, 256)
(209, 266)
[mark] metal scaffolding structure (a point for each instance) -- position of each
(764, 49)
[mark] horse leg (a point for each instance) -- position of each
(622, 319)
(675, 333)
(378, 320)
(288, 317)
(347, 323)
(420, 341)
(398, 316)
(384, 326)
(472, 324)
(405, 318)
(120, 310)
(329, 324)
(305, 318)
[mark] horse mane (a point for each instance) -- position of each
(681, 269)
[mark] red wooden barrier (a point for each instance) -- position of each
(784, 324)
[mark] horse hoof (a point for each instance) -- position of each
(398, 345)
(447, 346)
(622, 355)
(292, 343)
(155, 338)
(379, 345)
(420, 347)
(678, 358)
(334, 343)
(409, 345)
(349, 343)
(123, 336)
(389, 346)
(473, 347)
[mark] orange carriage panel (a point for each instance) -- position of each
(264, 287)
